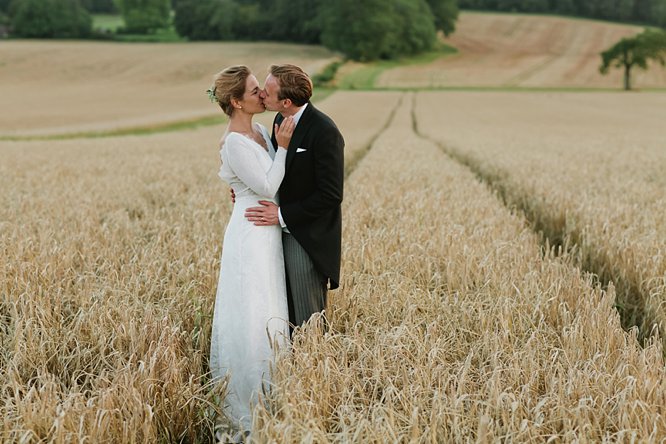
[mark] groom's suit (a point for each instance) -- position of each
(310, 197)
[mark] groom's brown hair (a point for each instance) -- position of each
(295, 84)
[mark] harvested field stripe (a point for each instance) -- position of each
(631, 302)
(359, 154)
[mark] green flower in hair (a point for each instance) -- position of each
(211, 94)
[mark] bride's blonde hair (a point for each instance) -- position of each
(229, 84)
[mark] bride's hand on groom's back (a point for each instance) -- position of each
(284, 131)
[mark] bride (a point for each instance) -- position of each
(251, 313)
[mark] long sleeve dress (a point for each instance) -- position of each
(251, 311)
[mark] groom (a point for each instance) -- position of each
(309, 196)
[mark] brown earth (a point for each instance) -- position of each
(52, 87)
(511, 50)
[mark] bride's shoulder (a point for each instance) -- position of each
(231, 138)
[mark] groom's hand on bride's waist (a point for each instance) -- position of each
(266, 214)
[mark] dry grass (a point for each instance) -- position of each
(452, 326)
(103, 86)
(587, 167)
(110, 251)
(506, 50)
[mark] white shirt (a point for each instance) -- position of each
(297, 118)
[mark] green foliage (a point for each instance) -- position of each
(445, 13)
(99, 6)
(358, 29)
(635, 51)
(50, 19)
(326, 76)
(217, 20)
(144, 16)
(294, 20)
(377, 29)
(163, 35)
(363, 30)
(647, 11)
(282, 20)
(107, 22)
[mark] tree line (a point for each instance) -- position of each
(72, 18)
(642, 11)
(363, 30)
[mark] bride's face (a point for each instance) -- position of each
(252, 102)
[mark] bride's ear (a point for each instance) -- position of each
(236, 104)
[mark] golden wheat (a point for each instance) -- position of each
(589, 167)
(453, 326)
(110, 250)
(452, 323)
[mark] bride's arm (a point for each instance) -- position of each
(244, 163)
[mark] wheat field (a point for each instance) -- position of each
(455, 320)
(110, 251)
(589, 168)
(60, 87)
(453, 325)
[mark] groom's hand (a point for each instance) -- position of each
(266, 214)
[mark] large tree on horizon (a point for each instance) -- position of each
(635, 51)
(144, 16)
(49, 19)
(445, 13)
(377, 29)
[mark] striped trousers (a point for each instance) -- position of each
(306, 287)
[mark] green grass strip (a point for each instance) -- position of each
(365, 77)
(131, 131)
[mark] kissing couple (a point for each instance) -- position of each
(282, 244)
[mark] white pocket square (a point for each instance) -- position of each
(300, 150)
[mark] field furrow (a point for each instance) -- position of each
(452, 325)
(584, 173)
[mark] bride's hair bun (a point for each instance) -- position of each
(227, 85)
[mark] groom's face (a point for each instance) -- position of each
(270, 94)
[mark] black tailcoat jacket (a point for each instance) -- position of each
(311, 191)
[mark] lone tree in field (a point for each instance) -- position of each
(648, 45)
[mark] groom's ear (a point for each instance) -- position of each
(286, 103)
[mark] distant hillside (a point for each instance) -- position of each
(52, 87)
(517, 50)
(627, 11)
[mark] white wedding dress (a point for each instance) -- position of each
(251, 312)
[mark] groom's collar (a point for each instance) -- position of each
(298, 114)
